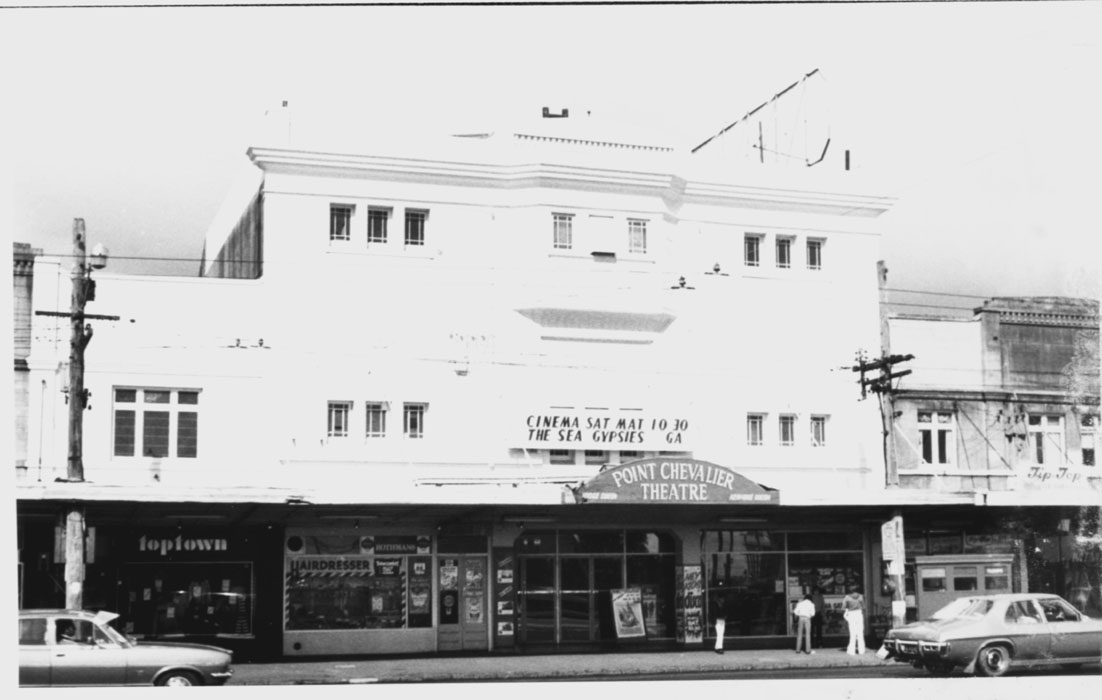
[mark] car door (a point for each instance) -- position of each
(89, 660)
(1073, 637)
(34, 653)
(1026, 627)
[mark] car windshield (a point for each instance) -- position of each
(114, 635)
(963, 608)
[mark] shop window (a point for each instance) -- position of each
(377, 219)
(1046, 438)
(996, 578)
(643, 542)
(591, 541)
(415, 226)
(935, 435)
(965, 578)
(164, 422)
(824, 541)
(933, 580)
(340, 222)
(188, 598)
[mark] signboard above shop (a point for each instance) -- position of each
(605, 429)
(673, 481)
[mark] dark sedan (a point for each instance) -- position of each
(79, 648)
(987, 635)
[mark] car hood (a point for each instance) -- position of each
(153, 646)
(930, 630)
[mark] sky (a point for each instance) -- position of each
(982, 119)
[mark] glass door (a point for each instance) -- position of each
(536, 600)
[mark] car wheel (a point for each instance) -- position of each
(993, 660)
(179, 679)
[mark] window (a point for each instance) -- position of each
(596, 457)
(788, 430)
(815, 254)
(933, 580)
(1056, 610)
(784, 251)
(818, 431)
(935, 431)
(564, 231)
(376, 225)
(754, 423)
(637, 236)
(1088, 438)
(376, 419)
(413, 420)
(996, 578)
(1046, 438)
(751, 247)
(1023, 612)
(965, 578)
(168, 424)
(561, 457)
(340, 222)
(338, 418)
(415, 226)
(626, 455)
(32, 631)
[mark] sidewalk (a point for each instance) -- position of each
(537, 666)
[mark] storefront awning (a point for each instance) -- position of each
(673, 481)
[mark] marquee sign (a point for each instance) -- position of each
(604, 429)
(673, 481)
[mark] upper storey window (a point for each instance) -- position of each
(340, 222)
(784, 251)
(637, 236)
(156, 422)
(815, 254)
(751, 248)
(563, 231)
(377, 219)
(415, 226)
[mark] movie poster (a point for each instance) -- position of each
(627, 610)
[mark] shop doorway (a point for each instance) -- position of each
(463, 618)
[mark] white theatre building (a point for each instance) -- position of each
(481, 392)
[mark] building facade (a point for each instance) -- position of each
(533, 390)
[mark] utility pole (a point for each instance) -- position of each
(84, 290)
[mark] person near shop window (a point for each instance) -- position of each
(853, 606)
(817, 618)
(719, 615)
(804, 611)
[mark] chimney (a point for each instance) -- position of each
(548, 114)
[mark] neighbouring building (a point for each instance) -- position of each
(538, 389)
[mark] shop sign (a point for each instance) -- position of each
(388, 567)
(167, 546)
(891, 539)
(673, 481)
(331, 566)
(395, 544)
(604, 429)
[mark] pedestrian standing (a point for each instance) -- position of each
(804, 611)
(817, 619)
(720, 615)
(854, 613)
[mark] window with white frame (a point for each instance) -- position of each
(815, 253)
(751, 250)
(563, 231)
(376, 419)
(1088, 438)
(1046, 438)
(377, 219)
(413, 420)
(340, 222)
(163, 422)
(754, 429)
(637, 236)
(339, 412)
(819, 431)
(596, 457)
(935, 436)
(784, 251)
(788, 430)
(415, 226)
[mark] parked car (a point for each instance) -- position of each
(986, 635)
(79, 648)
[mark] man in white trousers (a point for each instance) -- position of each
(721, 621)
(853, 606)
